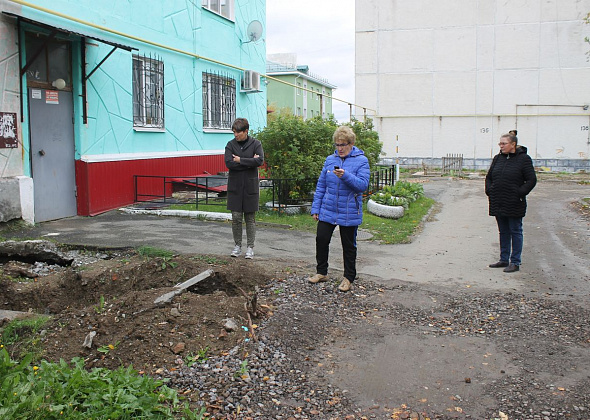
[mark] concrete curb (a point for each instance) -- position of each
(206, 215)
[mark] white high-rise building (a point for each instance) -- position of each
(451, 76)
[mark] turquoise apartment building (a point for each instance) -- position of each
(95, 93)
(304, 94)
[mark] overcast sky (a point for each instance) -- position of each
(321, 33)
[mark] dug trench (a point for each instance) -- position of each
(114, 297)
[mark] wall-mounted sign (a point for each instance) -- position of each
(35, 93)
(52, 97)
(8, 139)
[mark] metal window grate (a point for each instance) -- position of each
(148, 91)
(219, 100)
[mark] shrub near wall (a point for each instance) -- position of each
(296, 149)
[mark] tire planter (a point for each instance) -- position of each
(381, 210)
(290, 209)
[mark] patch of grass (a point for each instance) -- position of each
(211, 260)
(64, 391)
(152, 252)
(301, 221)
(149, 252)
(22, 336)
(16, 225)
(101, 305)
(200, 357)
(397, 231)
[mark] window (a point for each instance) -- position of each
(298, 88)
(148, 92)
(219, 101)
(52, 61)
(224, 8)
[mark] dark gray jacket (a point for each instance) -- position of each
(243, 189)
(509, 180)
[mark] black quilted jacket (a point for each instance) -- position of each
(509, 180)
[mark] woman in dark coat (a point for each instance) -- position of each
(243, 156)
(509, 180)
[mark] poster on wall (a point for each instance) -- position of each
(8, 139)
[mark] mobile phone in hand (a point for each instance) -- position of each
(336, 167)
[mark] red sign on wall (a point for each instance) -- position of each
(52, 97)
(8, 130)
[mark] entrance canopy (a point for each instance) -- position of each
(53, 31)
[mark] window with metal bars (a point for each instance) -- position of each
(148, 92)
(219, 100)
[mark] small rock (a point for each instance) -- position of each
(230, 325)
(178, 348)
(175, 312)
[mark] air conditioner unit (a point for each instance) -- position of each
(250, 81)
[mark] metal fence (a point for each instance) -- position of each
(277, 194)
(380, 178)
(160, 191)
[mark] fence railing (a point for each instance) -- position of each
(380, 178)
(156, 189)
(280, 194)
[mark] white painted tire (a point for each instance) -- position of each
(381, 210)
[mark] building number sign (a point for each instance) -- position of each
(8, 131)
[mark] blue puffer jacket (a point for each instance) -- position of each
(339, 201)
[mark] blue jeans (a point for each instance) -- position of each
(510, 239)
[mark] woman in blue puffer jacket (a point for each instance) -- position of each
(338, 201)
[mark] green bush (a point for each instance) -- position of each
(296, 149)
(401, 194)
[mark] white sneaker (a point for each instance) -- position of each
(237, 251)
(249, 253)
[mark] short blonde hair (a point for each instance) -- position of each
(344, 133)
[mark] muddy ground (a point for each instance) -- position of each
(115, 298)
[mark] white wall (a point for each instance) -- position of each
(451, 76)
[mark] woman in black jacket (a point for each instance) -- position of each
(509, 180)
(243, 156)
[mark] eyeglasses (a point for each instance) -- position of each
(502, 144)
(341, 144)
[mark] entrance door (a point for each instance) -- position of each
(52, 153)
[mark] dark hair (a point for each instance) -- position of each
(513, 132)
(240, 124)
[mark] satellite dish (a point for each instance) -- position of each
(254, 31)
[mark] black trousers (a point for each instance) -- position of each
(322, 248)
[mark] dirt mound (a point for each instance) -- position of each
(114, 298)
